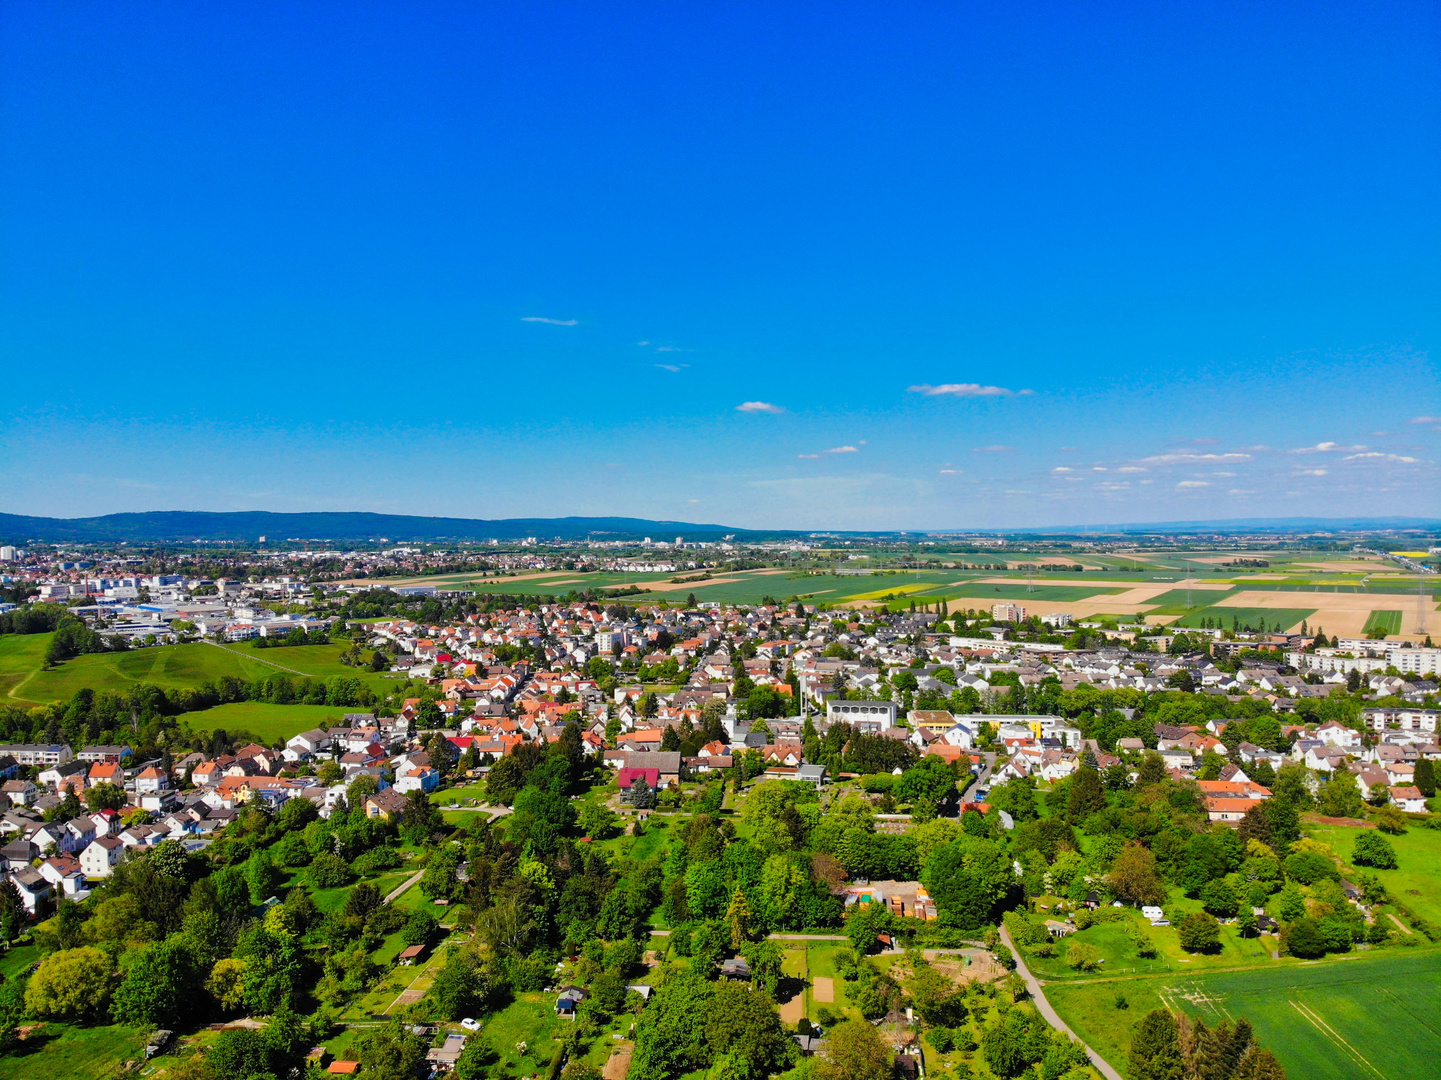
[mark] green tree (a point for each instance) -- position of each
(1156, 1048)
(854, 1051)
(1341, 797)
(1087, 795)
(1373, 849)
(262, 876)
(160, 985)
(390, 1053)
(1199, 932)
(71, 984)
(106, 796)
(1425, 776)
(1134, 876)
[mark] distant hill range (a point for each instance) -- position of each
(247, 527)
(179, 526)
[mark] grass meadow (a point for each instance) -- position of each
(24, 681)
(269, 723)
(1365, 1016)
(1416, 881)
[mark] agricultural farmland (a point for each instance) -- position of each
(1362, 1017)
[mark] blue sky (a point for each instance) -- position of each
(809, 266)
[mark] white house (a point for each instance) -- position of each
(99, 859)
(1338, 735)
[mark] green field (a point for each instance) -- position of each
(24, 682)
(1416, 881)
(1176, 598)
(64, 1052)
(269, 723)
(1382, 622)
(1289, 618)
(1360, 1017)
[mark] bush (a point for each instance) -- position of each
(1304, 938)
(375, 860)
(328, 871)
(1309, 867)
(1082, 957)
(1199, 932)
(1373, 849)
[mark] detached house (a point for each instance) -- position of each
(99, 859)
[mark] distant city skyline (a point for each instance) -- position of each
(782, 267)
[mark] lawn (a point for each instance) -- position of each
(63, 1052)
(1119, 955)
(1364, 1016)
(1416, 881)
(1228, 617)
(1382, 622)
(268, 723)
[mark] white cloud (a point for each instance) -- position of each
(842, 450)
(1376, 455)
(1323, 448)
(759, 406)
(673, 368)
(996, 449)
(1063, 468)
(1426, 420)
(1194, 484)
(963, 389)
(693, 500)
(807, 456)
(950, 472)
(1239, 491)
(551, 322)
(1131, 469)
(1313, 472)
(1183, 457)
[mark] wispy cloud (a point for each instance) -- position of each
(842, 450)
(1313, 472)
(1182, 457)
(1376, 455)
(1063, 468)
(672, 368)
(1130, 469)
(1194, 484)
(551, 322)
(1323, 448)
(1240, 491)
(808, 457)
(1426, 420)
(964, 389)
(759, 406)
(950, 472)
(997, 449)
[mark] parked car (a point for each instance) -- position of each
(470, 1025)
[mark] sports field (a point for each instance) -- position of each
(1365, 1017)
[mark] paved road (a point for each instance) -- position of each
(396, 892)
(1044, 1007)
